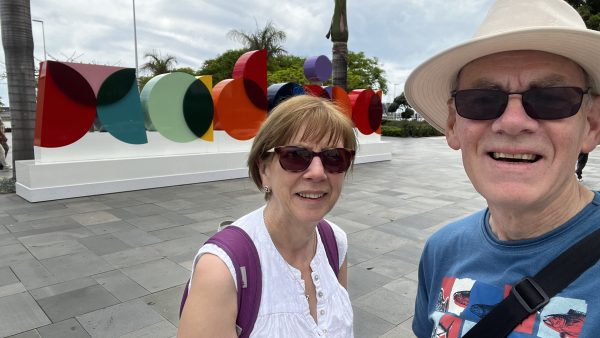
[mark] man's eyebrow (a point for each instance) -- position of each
(484, 83)
(548, 81)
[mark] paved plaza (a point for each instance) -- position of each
(115, 265)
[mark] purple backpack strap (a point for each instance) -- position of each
(330, 244)
(240, 248)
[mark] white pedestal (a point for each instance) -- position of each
(105, 165)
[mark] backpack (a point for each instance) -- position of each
(240, 248)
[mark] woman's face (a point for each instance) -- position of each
(302, 197)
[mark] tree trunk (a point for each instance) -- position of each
(17, 40)
(340, 64)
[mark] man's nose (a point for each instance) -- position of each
(514, 120)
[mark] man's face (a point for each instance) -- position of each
(516, 161)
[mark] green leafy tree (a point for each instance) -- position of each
(286, 68)
(17, 41)
(408, 113)
(269, 38)
(221, 67)
(589, 11)
(187, 70)
(364, 72)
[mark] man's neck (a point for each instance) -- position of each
(533, 221)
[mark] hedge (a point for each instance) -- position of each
(408, 128)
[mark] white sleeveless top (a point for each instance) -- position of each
(284, 310)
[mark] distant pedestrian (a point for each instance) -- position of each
(4, 144)
(581, 161)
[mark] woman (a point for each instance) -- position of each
(298, 159)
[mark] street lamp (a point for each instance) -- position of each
(43, 36)
(135, 41)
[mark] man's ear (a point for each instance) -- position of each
(451, 136)
(592, 136)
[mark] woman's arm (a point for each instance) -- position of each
(211, 307)
(343, 275)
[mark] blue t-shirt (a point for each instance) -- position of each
(465, 270)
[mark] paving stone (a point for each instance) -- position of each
(87, 206)
(162, 329)
(69, 328)
(76, 302)
(387, 305)
(110, 227)
(120, 319)
(155, 222)
(92, 218)
(27, 334)
(104, 244)
(120, 286)
(34, 275)
(136, 237)
(388, 265)
(132, 257)
(14, 254)
(180, 246)
(177, 204)
(367, 325)
(20, 313)
(157, 275)
(175, 233)
(84, 263)
(362, 281)
(146, 210)
(167, 303)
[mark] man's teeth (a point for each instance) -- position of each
(305, 195)
(522, 157)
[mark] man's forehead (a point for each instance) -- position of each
(546, 69)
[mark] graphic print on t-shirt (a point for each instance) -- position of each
(462, 302)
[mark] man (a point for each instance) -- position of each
(520, 102)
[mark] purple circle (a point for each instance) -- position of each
(317, 68)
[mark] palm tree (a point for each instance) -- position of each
(339, 36)
(159, 64)
(17, 41)
(269, 38)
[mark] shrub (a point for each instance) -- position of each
(408, 128)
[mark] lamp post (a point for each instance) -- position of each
(135, 42)
(43, 36)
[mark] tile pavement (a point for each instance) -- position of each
(114, 265)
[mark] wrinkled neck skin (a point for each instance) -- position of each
(509, 223)
(295, 242)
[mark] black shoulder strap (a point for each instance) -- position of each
(533, 293)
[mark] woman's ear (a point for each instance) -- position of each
(264, 170)
(451, 135)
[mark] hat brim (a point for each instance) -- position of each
(428, 87)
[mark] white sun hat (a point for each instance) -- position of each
(552, 26)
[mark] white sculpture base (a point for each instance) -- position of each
(105, 165)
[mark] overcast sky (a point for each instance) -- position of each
(400, 33)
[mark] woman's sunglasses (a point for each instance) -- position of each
(551, 103)
(297, 159)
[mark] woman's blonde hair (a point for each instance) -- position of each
(320, 118)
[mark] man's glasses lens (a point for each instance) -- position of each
(550, 103)
(296, 159)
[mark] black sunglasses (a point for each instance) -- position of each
(550, 103)
(297, 159)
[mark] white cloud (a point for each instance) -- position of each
(400, 33)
